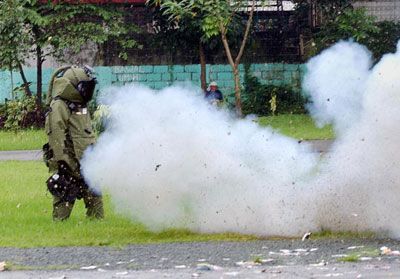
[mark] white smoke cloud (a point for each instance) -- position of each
(361, 178)
(172, 161)
(336, 81)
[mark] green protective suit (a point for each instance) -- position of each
(69, 130)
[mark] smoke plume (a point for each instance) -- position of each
(170, 160)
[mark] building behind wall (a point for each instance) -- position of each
(382, 9)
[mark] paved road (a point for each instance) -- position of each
(32, 155)
(21, 155)
(254, 259)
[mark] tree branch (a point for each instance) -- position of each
(226, 45)
(246, 34)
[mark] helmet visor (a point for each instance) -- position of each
(86, 89)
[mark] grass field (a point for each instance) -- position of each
(23, 140)
(296, 126)
(25, 214)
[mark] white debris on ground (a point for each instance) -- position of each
(207, 267)
(388, 252)
(295, 252)
(322, 263)
(247, 264)
(2, 266)
(354, 247)
(256, 263)
(91, 267)
(366, 258)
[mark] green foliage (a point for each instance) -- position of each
(100, 116)
(188, 34)
(330, 9)
(350, 24)
(210, 14)
(264, 100)
(86, 22)
(19, 113)
(49, 29)
(384, 41)
(2, 115)
(14, 37)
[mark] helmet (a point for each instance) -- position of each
(75, 84)
(213, 83)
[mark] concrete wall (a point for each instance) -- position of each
(160, 76)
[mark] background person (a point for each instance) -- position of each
(69, 130)
(213, 95)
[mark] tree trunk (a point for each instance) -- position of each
(238, 98)
(28, 91)
(39, 63)
(203, 76)
(235, 62)
(12, 85)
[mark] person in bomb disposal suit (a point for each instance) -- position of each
(69, 130)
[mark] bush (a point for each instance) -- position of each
(269, 99)
(2, 115)
(384, 41)
(21, 113)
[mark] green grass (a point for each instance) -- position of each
(25, 214)
(22, 140)
(342, 235)
(299, 126)
(356, 256)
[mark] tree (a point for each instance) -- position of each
(14, 39)
(50, 28)
(351, 23)
(216, 18)
(338, 21)
(188, 34)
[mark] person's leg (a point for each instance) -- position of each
(93, 204)
(61, 209)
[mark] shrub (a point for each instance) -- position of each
(263, 99)
(20, 113)
(384, 41)
(100, 117)
(2, 115)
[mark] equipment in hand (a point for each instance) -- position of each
(64, 185)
